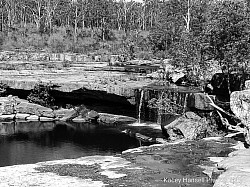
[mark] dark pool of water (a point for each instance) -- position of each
(31, 142)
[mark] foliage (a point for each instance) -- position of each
(227, 33)
(57, 43)
(41, 94)
(167, 103)
(3, 89)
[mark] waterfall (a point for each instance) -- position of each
(140, 106)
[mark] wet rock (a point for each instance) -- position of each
(110, 119)
(186, 128)
(200, 101)
(240, 106)
(31, 108)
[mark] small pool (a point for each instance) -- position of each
(31, 142)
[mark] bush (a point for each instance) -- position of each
(36, 41)
(145, 55)
(56, 43)
(41, 94)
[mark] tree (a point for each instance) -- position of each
(228, 35)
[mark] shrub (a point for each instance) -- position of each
(36, 41)
(56, 43)
(41, 94)
(145, 55)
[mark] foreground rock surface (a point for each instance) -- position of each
(237, 170)
(156, 165)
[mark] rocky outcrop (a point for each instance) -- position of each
(14, 109)
(34, 109)
(46, 56)
(189, 126)
(237, 170)
(240, 106)
(113, 120)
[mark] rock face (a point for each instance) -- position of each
(31, 108)
(14, 109)
(240, 106)
(110, 119)
(189, 126)
(200, 101)
(237, 170)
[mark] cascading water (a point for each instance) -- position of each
(140, 106)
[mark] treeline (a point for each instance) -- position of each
(190, 32)
(45, 14)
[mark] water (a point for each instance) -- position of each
(140, 106)
(31, 142)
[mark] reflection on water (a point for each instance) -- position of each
(31, 142)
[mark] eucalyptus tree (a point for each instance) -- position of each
(228, 35)
(50, 7)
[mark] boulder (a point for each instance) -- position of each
(7, 117)
(46, 119)
(79, 119)
(192, 115)
(240, 106)
(60, 113)
(33, 118)
(200, 101)
(81, 113)
(71, 114)
(92, 115)
(7, 108)
(189, 126)
(111, 119)
(22, 116)
(7, 104)
(34, 109)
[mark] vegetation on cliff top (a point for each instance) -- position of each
(190, 32)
